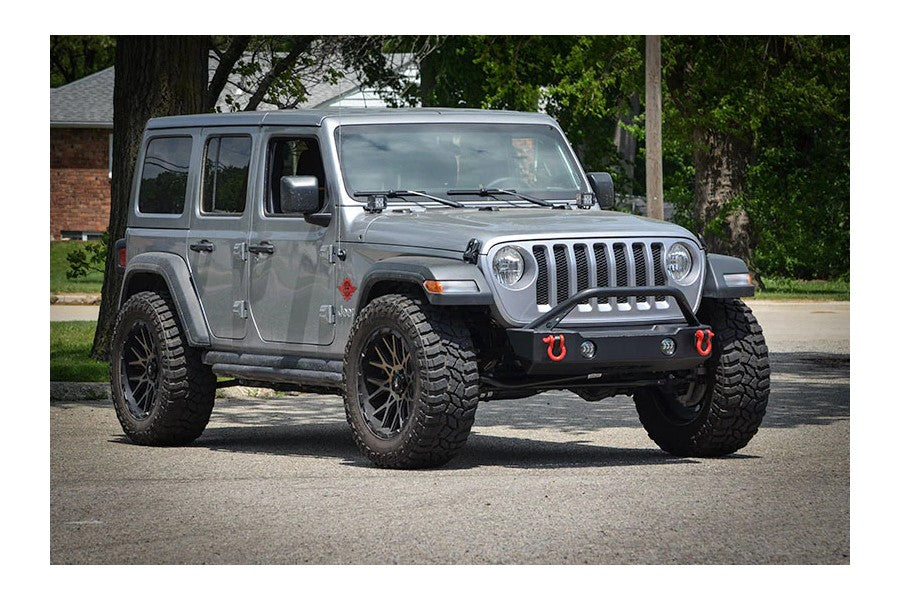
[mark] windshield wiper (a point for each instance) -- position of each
(498, 192)
(404, 193)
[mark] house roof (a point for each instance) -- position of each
(87, 102)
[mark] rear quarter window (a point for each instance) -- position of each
(164, 175)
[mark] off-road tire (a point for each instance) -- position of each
(185, 389)
(443, 405)
(736, 392)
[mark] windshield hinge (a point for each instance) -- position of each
(471, 253)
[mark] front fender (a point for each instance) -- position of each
(716, 285)
(418, 269)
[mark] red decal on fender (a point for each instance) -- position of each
(704, 341)
(347, 289)
(549, 340)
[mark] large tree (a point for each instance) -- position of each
(155, 76)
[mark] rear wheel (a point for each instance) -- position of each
(162, 392)
(719, 408)
(411, 383)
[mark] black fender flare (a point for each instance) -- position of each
(717, 267)
(174, 271)
(418, 269)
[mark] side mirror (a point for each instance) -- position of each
(299, 195)
(602, 184)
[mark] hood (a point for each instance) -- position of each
(452, 229)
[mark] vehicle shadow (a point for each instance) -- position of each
(807, 389)
(333, 440)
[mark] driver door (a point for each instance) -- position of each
(291, 274)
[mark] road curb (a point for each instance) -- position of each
(75, 299)
(73, 391)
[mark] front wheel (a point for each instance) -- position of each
(411, 383)
(719, 408)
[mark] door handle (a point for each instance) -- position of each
(203, 246)
(262, 248)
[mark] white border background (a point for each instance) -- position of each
(874, 226)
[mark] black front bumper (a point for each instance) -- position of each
(544, 349)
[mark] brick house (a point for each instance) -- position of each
(81, 120)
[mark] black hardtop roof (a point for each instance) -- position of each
(315, 117)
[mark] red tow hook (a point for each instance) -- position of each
(549, 340)
(704, 341)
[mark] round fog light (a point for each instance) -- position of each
(588, 349)
(667, 346)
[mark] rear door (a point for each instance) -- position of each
(220, 223)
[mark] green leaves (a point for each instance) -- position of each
(90, 258)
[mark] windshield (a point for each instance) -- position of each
(438, 158)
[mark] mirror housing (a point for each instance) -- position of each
(602, 184)
(299, 195)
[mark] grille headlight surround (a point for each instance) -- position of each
(508, 266)
(679, 263)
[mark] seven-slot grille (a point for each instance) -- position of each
(564, 269)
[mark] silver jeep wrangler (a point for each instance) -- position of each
(416, 262)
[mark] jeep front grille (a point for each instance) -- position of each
(577, 267)
(564, 268)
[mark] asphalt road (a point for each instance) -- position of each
(551, 479)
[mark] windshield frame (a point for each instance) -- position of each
(567, 155)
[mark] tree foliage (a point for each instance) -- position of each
(87, 258)
(783, 102)
(75, 56)
(280, 70)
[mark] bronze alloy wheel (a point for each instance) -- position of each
(387, 383)
(139, 368)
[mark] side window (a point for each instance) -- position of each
(288, 157)
(164, 176)
(226, 167)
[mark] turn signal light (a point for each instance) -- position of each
(433, 286)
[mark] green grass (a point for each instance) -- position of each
(781, 288)
(70, 348)
(58, 266)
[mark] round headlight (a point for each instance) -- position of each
(509, 266)
(678, 262)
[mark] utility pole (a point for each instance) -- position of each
(653, 93)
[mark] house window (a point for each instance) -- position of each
(164, 176)
(225, 173)
(84, 236)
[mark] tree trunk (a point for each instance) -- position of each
(625, 143)
(154, 76)
(721, 163)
